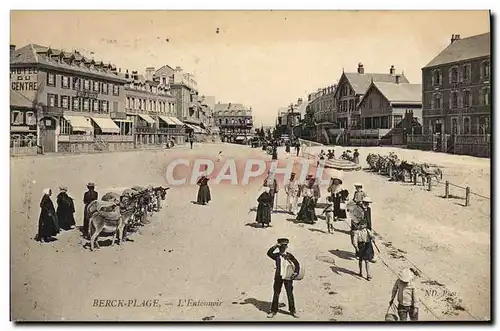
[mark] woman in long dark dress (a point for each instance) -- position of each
(204, 196)
(287, 146)
(47, 222)
(65, 210)
(264, 208)
(307, 211)
(339, 197)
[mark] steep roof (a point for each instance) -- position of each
(361, 82)
(464, 49)
(400, 93)
(36, 54)
(232, 109)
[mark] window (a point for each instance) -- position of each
(397, 119)
(485, 69)
(65, 82)
(486, 95)
(76, 83)
(453, 75)
(116, 90)
(466, 125)
(76, 104)
(115, 105)
(344, 105)
(104, 88)
(65, 127)
(466, 72)
(437, 101)
(436, 77)
(86, 84)
(96, 86)
(51, 79)
(454, 125)
(52, 100)
(454, 99)
(65, 102)
(86, 104)
(95, 106)
(467, 99)
(103, 106)
(16, 117)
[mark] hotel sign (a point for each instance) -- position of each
(24, 80)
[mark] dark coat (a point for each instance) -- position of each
(264, 208)
(65, 211)
(368, 218)
(47, 222)
(275, 153)
(307, 213)
(203, 191)
(338, 198)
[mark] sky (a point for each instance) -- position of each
(262, 59)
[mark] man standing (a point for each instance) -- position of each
(407, 296)
(88, 197)
(191, 139)
(292, 195)
(283, 259)
(297, 147)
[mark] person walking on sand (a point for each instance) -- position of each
(204, 195)
(272, 183)
(287, 147)
(359, 194)
(307, 211)
(339, 197)
(264, 207)
(282, 259)
(364, 248)
(405, 288)
(88, 197)
(191, 139)
(65, 209)
(355, 156)
(328, 212)
(47, 222)
(367, 212)
(292, 195)
(297, 147)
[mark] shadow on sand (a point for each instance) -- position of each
(343, 254)
(263, 306)
(340, 270)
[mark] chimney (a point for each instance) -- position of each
(119, 69)
(361, 70)
(392, 71)
(397, 79)
(299, 101)
(178, 69)
(12, 49)
(150, 71)
(454, 37)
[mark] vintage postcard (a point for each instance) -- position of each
(322, 166)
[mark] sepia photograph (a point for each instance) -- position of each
(251, 166)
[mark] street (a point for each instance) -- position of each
(209, 262)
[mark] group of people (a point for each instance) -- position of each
(52, 220)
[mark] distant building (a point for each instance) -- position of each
(73, 99)
(384, 110)
(184, 88)
(457, 97)
(234, 120)
(291, 116)
(151, 109)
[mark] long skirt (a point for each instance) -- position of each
(287, 149)
(263, 214)
(307, 212)
(204, 196)
(365, 251)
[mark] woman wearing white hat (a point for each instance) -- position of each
(339, 197)
(407, 296)
(364, 248)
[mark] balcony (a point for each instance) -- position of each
(118, 115)
(432, 112)
(53, 111)
(145, 129)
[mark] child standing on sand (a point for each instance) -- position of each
(328, 211)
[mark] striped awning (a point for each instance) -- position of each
(79, 123)
(123, 121)
(176, 120)
(147, 118)
(106, 124)
(195, 128)
(167, 120)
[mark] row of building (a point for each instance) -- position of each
(450, 111)
(68, 102)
